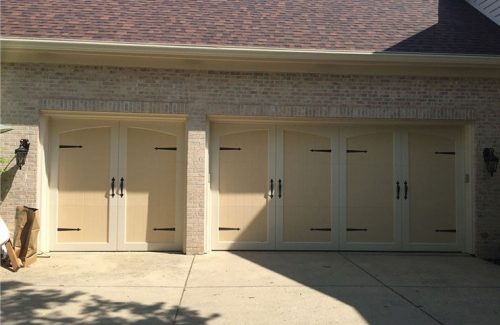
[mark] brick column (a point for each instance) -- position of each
(196, 179)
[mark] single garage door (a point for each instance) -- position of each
(320, 187)
(117, 184)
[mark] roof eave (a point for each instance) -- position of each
(15, 49)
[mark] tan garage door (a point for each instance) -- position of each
(401, 188)
(370, 187)
(431, 188)
(83, 182)
(244, 201)
(273, 187)
(304, 211)
(307, 187)
(118, 185)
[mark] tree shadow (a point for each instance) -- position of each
(23, 304)
(7, 178)
(460, 29)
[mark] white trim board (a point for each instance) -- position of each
(59, 51)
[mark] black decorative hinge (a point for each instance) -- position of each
(446, 230)
(68, 229)
(228, 228)
(166, 148)
(229, 148)
(357, 229)
(66, 146)
(164, 229)
(356, 151)
(444, 152)
(321, 150)
(321, 229)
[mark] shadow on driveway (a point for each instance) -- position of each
(23, 304)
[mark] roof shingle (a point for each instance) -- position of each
(427, 26)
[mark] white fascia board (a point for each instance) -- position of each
(240, 53)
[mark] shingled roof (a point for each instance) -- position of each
(424, 26)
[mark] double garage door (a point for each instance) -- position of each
(116, 184)
(320, 187)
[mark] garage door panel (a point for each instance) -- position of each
(306, 187)
(307, 224)
(83, 185)
(151, 182)
(431, 188)
(364, 226)
(243, 224)
(370, 188)
(243, 186)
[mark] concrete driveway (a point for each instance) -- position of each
(253, 288)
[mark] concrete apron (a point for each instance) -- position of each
(253, 288)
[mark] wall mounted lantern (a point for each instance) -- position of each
(490, 160)
(22, 152)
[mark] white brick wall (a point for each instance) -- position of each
(26, 89)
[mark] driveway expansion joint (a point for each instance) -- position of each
(288, 286)
(183, 290)
(99, 286)
(419, 307)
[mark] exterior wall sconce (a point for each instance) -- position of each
(22, 152)
(491, 160)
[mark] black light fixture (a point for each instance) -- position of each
(22, 152)
(491, 160)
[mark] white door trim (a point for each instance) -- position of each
(43, 183)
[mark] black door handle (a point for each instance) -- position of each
(397, 190)
(271, 188)
(113, 187)
(279, 188)
(121, 187)
(406, 190)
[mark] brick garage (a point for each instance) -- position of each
(27, 89)
(441, 67)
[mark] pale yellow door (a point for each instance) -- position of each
(150, 162)
(244, 187)
(431, 189)
(305, 187)
(118, 184)
(370, 187)
(82, 179)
